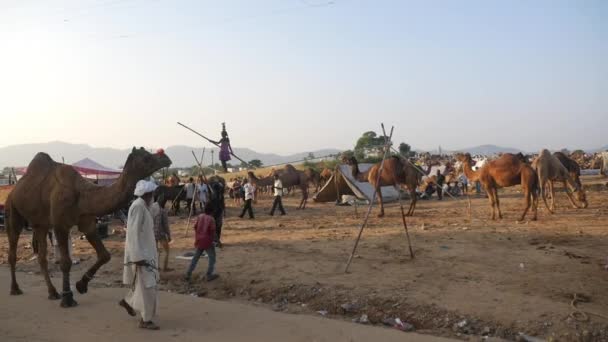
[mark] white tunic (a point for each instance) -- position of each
(141, 245)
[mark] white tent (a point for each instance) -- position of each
(348, 185)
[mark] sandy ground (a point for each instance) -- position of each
(470, 278)
(183, 318)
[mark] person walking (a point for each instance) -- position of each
(141, 259)
(203, 193)
(190, 190)
(236, 190)
(162, 232)
(278, 196)
(440, 182)
(204, 235)
(249, 193)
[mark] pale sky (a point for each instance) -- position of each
(299, 75)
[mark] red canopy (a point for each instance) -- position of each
(87, 167)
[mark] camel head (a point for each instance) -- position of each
(141, 163)
(582, 197)
(251, 176)
(464, 158)
(354, 165)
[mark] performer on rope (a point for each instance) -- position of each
(225, 148)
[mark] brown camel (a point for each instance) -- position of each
(314, 178)
(325, 175)
(395, 172)
(507, 170)
(54, 196)
(289, 176)
(551, 169)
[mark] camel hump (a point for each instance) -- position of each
(545, 153)
(290, 168)
(41, 163)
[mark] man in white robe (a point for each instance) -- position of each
(141, 258)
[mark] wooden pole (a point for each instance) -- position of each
(371, 203)
(407, 234)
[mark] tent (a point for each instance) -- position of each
(348, 185)
(92, 170)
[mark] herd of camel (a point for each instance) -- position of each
(508, 170)
(54, 196)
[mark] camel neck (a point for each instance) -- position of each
(468, 171)
(103, 200)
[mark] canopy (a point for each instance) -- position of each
(88, 167)
(348, 185)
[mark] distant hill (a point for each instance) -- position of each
(21, 155)
(481, 149)
(601, 149)
(489, 150)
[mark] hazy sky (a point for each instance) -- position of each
(298, 75)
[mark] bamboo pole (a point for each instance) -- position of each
(371, 204)
(407, 234)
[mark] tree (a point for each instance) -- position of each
(405, 150)
(369, 146)
(310, 156)
(256, 163)
(578, 152)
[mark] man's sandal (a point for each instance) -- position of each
(148, 325)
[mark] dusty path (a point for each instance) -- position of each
(32, 317)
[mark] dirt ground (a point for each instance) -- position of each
(182, 318)
(470, 278)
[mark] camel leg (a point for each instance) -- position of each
(570, 197)
(14, 226)
(43, 260)
(379, 194)
(497, 201)
(552, 191)
(304, 197)
(413, 200)
(543, 193)
(490, 194)
(534, 196)
(103, 256)
(67, 297)
(527, 203)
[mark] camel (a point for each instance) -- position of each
(174, 193)
(551, 169)
(325, 175)
(395, 172)
(507, 170)
(289, 176)
(54, 196)
(314, 178)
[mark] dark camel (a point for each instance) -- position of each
(289, 176)
(55, 196)
(508, 170)
(575, 172)
(550, 169)
(395, 172)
